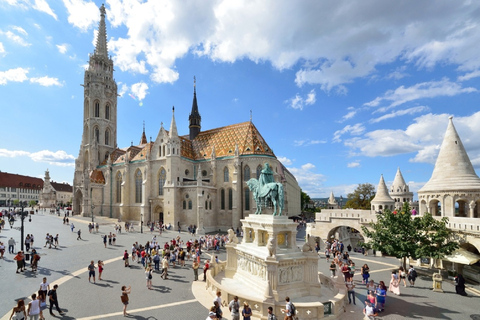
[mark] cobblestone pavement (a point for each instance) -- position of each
(173, 298)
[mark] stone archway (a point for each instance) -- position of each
(77, 202)
(158, 214)
(348, 235)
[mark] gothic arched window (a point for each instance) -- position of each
(247, 199)
(230, 199)
(118, 188)
(97, 135)
(222, 199)
(184, 204)
(138, 186)
(259, 171)
(107, 137)
(107, 112)
(225, 174)
(246, 173)
(97, 109)
(161, 181)
(189, 204)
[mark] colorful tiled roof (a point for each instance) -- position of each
(19, 181)
(225, 139)
(143, 153)
(96, 176)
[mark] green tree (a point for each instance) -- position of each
(400, 235)
(32, 203)
(16, 202)
(305, 199)
(360, 198)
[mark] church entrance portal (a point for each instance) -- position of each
(77, 203)
(158, 213)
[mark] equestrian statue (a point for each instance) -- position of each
(265, 189)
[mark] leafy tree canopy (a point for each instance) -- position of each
(402, 235)
(305, 199)
(360, 198)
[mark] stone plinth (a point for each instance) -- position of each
(269, 263)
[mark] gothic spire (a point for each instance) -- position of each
(173, 126)
(101, 46)
(194, 117)
(143, 140)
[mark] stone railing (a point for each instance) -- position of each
(331, 309)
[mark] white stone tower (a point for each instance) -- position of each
(382, 199)
(332, 202)
(400, 191)
(99, 137)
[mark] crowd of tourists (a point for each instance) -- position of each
(376, 293)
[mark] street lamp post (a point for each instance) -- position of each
(341, 202)
(23, 215)
(9, 204)
(141, 222)
(93, 207)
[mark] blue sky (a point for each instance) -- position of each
(342, 91)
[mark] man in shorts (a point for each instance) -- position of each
(91, 271)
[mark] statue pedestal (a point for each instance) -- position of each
(437, 282)
(269, 263)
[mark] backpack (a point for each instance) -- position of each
(413, 273)
(294, 309)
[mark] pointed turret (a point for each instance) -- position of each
(382, 199)
(143, 140)
(173, 126)
(101, 46)
(453, 169)
(332, 200)
(194, 117)
(399, 184)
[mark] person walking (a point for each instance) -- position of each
(52, 294)
(44, 288)
(195, 267)
(247, 311)
(91, 271)
(124, 297)
(11, 245)
(234, 307)
(104, 237)
(271, 315)
(460, 285)
(394, 286)
(34, 311)
(20, 258)
(72, 227)
(100, 269)
(402, 274)
(381, 296)
(19, 311)
(351, 290)
(365, 273)
(206, 266)
(79, 233)
(333, 269)
(148, 276)
(289, 309)
(125, 258)
(412, 276)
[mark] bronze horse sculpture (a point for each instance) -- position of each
(271, 191)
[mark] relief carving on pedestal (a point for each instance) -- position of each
(252, 267)
(290, 274)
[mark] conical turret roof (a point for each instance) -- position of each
(453, 169)
(173, 125)
(399, 184)
(332, 200)
(382, 195)
(101, 46)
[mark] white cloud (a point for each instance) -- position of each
(354, 164)
(123, 89)
(309, 181)
(2, 48)
(82, 14)
(15, 37)
(20, 30)
(349, 115)
(398, 113)
(470, 75)
(398, 74)
(46, 81)
(308, 142)
(62, 48)
(355, 130)
(58, 158)
(285, 161)
(13, 75)
(42, 5)
(140, 90)
(298, 102)
(422, 90)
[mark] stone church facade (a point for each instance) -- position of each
(197, 179)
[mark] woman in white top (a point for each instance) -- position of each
(34, 310)
(19, 311)
(148, 276)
